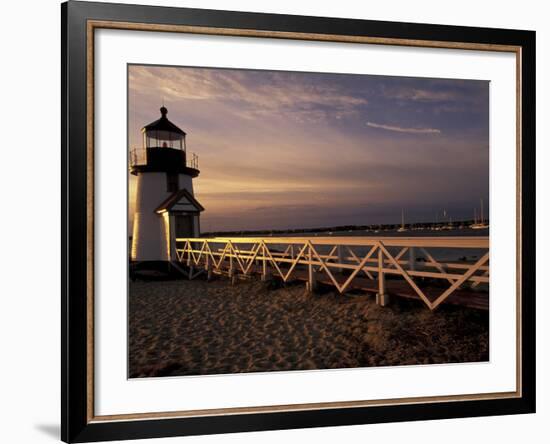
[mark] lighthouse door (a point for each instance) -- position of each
(184, 226)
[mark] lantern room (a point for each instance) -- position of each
(163, 134)
(164, 150)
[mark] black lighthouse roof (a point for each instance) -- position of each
(163, 124)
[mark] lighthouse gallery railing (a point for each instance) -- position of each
(343, 259)
(138, 156)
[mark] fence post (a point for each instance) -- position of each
(382, 298)
(311, 281)
(208, 268)
(231, 252)
(412, 259)
(340, 255)
(265, 271)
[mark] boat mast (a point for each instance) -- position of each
(482, 219)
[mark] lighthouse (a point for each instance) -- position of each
(165, 206)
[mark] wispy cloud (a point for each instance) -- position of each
(257, 94)
(422, 95)
(400, 129)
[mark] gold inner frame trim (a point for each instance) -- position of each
(92, 25)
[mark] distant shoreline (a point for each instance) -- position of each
(464, 224)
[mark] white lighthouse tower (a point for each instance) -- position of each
(165, 208)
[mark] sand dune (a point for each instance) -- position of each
(198, 327)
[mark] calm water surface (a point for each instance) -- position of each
(448, 254)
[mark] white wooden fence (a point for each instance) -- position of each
(343, 259)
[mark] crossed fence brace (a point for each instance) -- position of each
(246, 256)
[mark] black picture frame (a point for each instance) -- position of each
(76, 423)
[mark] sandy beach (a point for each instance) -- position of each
(197, 327)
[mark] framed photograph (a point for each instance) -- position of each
(276, 221)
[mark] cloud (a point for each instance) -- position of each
(422, 95)
(266, 162)
(400, 129)
(439, 95)
(252, 94)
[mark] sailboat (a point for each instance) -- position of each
(402, 228)
(479, 225)
(449, 226)
(436, 227)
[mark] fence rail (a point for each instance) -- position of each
(343, 260)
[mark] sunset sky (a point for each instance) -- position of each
(290, 150)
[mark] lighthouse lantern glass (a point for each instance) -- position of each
(164, 139)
